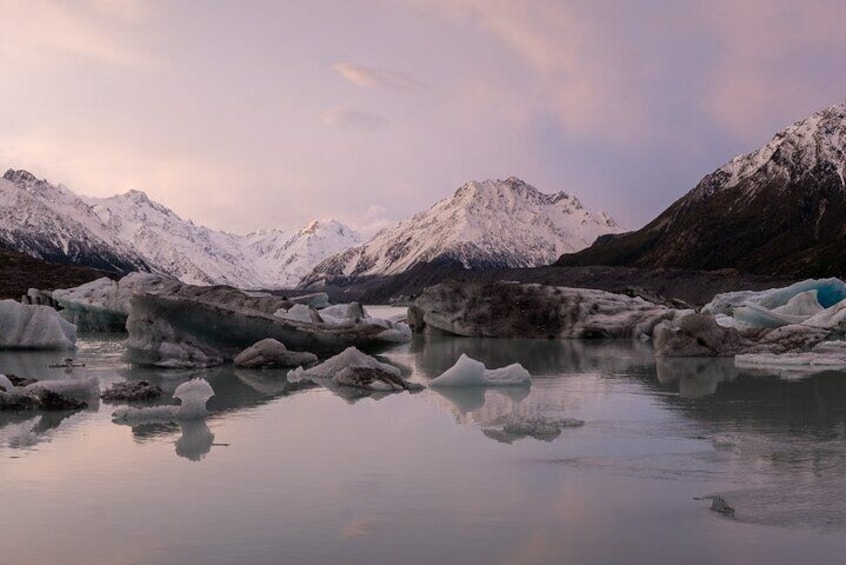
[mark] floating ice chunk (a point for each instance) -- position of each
(272, 353)
(6, 384)
(798, 309)
(104, 304)
(315, 299)
(352, 368)
(350, 357)
(828, 293)
(85, 386)
(827, 355)
(469, 372)
(400, 333)
(23, 326)
(343, 313)
(193, 395)
(297, 313)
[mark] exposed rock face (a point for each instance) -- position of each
(504, 309)
(269, 353)
(777, 211)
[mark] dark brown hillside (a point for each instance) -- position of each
(19, 272)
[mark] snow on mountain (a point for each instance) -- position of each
(819, 140)
(492, 223)
(779, 210)
(194, 254)
(131, 232)
(291, 258)
(51, 223)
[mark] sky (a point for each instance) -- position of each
(258, 114)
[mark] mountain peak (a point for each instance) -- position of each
(19, 177)
(485, 224)
(778, 210)
(817, 141)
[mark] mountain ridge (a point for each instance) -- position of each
(130, 231)
(483, 225)
(778, 210)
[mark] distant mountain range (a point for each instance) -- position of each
(484, 225)
(780, 210)
(130, 232)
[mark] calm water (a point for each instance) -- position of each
(280, 474)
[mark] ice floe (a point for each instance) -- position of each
(193, 394)
(468, 372)
(24, 326)
(510, 309)
(269, 353)
(354, 369)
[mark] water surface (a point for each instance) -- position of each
(281, 473)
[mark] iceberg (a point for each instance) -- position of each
(802, 299)
(354, 369)
(84, 386)
(510, 309)
(103, 305)
(193, 394)
(269, 353)
(209, 328)
(825, 356)
(23, 326)
(468, 372)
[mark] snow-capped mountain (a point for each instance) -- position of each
(51, 223)
(779, 210)
(289, 258)
(131, 232)
(487, 224)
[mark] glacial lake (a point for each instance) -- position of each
(284, 474)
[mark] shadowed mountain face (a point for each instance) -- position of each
(778, 211)
(19, 272)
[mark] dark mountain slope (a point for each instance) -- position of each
(778, 211)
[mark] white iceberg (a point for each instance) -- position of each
(193, 394)
(23, 326)
(6, 384)
(85, 386)
(352, 368)
(469, 372)
(104, 304)
(825, 356)
(298, 313)
(779, 306)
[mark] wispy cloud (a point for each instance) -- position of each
(374, 77)
(354, 118)
(96, 29)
